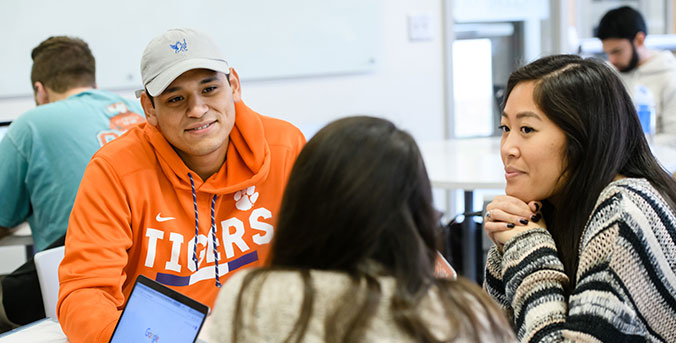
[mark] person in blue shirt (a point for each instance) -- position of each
(45, 151)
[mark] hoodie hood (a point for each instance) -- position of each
(247, 160)
(661, 62)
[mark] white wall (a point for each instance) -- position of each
(406, 87)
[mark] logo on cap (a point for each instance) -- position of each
(178, 47)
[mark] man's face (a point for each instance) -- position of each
(196, 114)
(621, 53)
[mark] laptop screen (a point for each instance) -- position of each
(155, 313)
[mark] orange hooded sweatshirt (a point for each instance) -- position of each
(134, 214)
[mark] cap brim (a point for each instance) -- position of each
(157, 85)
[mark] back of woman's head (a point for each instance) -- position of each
(358, 192)
(587, 100)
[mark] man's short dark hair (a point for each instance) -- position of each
(623, 22)
(62, 63)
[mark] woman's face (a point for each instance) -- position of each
(532, 147)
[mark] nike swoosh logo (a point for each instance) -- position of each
(163, 219)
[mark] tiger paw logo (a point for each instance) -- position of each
(246, 198)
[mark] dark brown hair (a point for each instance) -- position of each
(586, 99)
(358, 196)
(62, 63)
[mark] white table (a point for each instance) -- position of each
(20, 236)
(469, 164)
(45, 330)
(475, 163)
(664, 148)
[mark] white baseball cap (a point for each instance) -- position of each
(173, 53)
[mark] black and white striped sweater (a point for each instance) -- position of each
(626, 288)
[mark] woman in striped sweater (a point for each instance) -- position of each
(585, 237)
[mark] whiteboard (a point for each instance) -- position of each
(262, 39)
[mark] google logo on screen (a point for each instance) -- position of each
(153, 337)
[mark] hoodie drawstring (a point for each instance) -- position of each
(213, 230)
(213, 236)
(197, 222)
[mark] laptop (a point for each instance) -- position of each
(156, 313)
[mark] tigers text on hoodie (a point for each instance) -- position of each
(141, 210)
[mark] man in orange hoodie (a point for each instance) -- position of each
(186, 199)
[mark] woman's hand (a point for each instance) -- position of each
(507, 216)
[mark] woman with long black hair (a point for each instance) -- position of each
(585, 237)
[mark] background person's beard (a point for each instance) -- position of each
(633, 62)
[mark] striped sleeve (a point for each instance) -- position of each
(626, 288)
(493, 281)
(534, 285)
